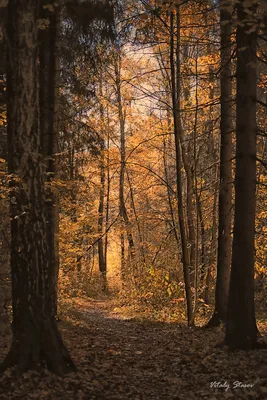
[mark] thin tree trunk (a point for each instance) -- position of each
(136, 220)
(123, 263)
(181, 216)
(101, 250)
(241, 329)
(122, 206)
(194, 174)
(169, 193)
(187, 165)
(108, 192)
(203, 247)
(213, 238)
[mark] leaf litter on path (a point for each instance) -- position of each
(122, 357)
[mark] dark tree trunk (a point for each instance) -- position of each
(141, 240)
(203, 247)
(101, 250)
(225, 189)
(178, 153)
(169, 193)
(187, 163)
(107, 194)
(36, 339)
(49, 86)
(213, 237)
(123, 211)
(191, 236)
(241, 329)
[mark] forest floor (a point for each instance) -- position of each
(121, 356)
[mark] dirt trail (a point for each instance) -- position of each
(120, 357)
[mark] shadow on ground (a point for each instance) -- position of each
(124, 358)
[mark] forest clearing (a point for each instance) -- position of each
(133, 199)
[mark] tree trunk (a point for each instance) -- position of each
(241, 329)
(141, 240)
(169, 193)
(213, 238)
(181, 216)
(49, 89)
(101, 250)
(187, 164)
(108, 191)
(225, 188)
(36, 339)
(202, 230)
(122, 207)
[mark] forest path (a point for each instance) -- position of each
(121, 357)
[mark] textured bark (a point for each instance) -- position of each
(49, 87)
(36, 339)
(241, 329)
(225, 189)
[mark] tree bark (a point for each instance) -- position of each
(225, 188)
(122, 206)
(36, 339)
(241, 329)
(181, 216)
(187, 164)
(108, 191)
(101, 249)
(169, 193)
(202, 230)
(213, 237)
(49, 90)
(141, 240)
